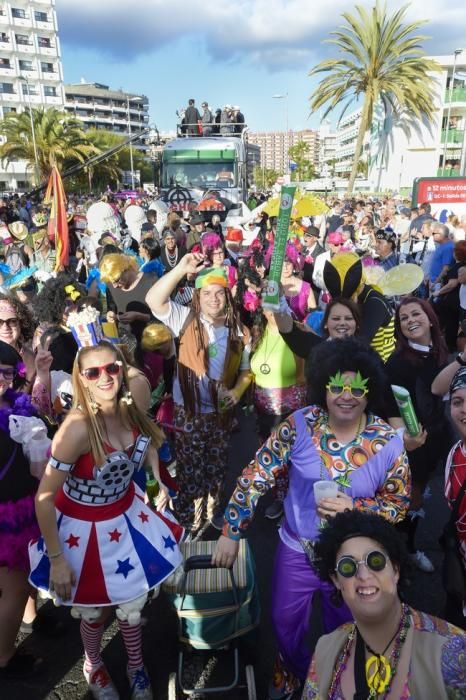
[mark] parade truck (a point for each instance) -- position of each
(446, 195)
(209, 169)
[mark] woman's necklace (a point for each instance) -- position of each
(341, 663)
(381, 671)
(172, 258)
(265, 367)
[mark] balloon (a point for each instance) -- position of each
(402, 279)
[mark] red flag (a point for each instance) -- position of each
(58, 221)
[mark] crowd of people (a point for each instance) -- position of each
(130, 364)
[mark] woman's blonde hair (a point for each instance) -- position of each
(154, 335)
(113, 265)
(131, 416)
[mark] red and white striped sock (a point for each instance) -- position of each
(132, 639)
(91, 634)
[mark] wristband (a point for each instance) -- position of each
(459, 360)
(55, 556)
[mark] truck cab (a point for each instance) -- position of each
(197, 165)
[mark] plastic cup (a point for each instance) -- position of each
(325, 489)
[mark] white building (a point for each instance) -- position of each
(30, 69)
(429, 150)
(327, 148)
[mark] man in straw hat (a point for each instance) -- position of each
(212, 373)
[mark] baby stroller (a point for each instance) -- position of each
(215, 607)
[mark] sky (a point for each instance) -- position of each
(239, 52)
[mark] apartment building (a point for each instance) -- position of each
(100, 107)
(31, 72)
(435, 149)
(274, 147)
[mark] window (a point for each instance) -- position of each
(50, 91)
(5, 63)
(41, 16)
(23, 40)
(29, 89)
(17, 13)
(8, 109)
(7, 88)
(44, 42)
(47, 67)
(26, 65)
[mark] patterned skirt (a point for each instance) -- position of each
(117, 551)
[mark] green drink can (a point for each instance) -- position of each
(403, 400)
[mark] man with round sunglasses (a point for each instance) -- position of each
(390, 650)
(339, 438)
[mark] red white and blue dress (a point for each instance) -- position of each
(117, 546)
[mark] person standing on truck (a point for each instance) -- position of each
(226, 121)
(192, 119)
(207, 119)
(238, 119)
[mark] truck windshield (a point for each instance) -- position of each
(199, 174)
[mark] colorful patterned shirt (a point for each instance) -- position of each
(373, 469)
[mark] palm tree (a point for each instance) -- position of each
(382, 60)
(59, 138)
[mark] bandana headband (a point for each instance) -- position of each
(458, 381)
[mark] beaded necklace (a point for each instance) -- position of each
(400, 638)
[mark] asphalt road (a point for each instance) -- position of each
(63, 679)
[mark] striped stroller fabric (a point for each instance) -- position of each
(207, 614)
(210, 580)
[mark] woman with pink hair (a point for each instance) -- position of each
(214, 252)
(298, 293)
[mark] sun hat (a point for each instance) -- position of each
(18, 230)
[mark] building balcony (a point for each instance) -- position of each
(45, 26)
(52, 100)
(6, 72)
(24, 48)
(448, 172)
(454, 136)
(458, 94)
(47, 50)
(46, 75)
(24, 22)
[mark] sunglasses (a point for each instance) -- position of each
(112, 369)
(348, 566)
(9, 322)
(338, 389)
(8, 373)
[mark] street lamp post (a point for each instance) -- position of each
(286, 140)
(128, 100)
(34, 144)
(457, 52)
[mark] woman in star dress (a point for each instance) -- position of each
(338, 438)
(106, 548)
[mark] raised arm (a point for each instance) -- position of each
(442, 381)
(158, 296)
